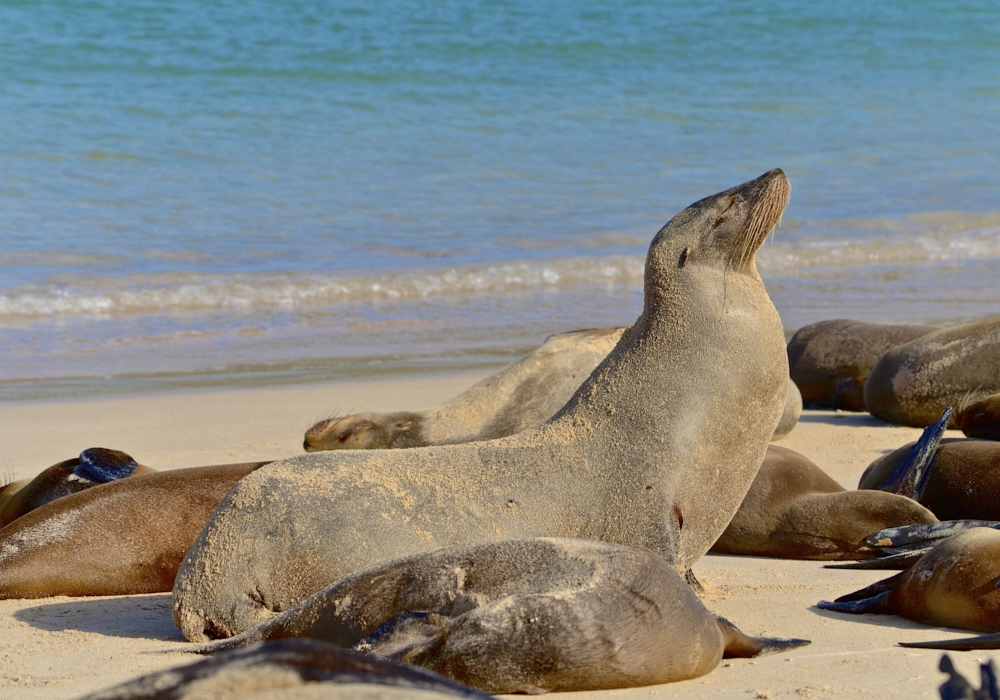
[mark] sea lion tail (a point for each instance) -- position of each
(876, 605)
(983, 641)
(910, 477)
(741, 645)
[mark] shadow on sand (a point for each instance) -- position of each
(138, 617)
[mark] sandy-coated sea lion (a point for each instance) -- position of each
(794, 510)
(523, 616)
(290, 669)
(96, 465)
(830, 360)
(953, 366)
(959, 478)
(980, 419)
(656, 449)
(118, 538)
(522, 395)
(952, 585)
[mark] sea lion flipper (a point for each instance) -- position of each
(925, 535)
(910, 477)
(875, 589)
(103, 465)
(895, 561)
(876, 605)
(983, 641)
(740, 645)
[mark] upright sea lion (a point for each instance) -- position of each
(291, 669)
(830, 360)
(955, 478)
(980, 419)
(523, 616)
(794, 510)
(123, 537)
(952, 585)
(649, 452)
(522, 395)
(952, 366)
(97, 465)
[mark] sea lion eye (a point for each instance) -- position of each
(685, 256)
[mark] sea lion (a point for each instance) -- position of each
(523, 616)
(97, 465)
(290, 669)
(656, 449)
(980, 419)
(794, 510)
(911, 384)
(952, 585)
(830, 360)
(522, 395)
(955, 478)
(122, 537)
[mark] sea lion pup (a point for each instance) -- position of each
(952, 366)
(981, 419)
(523, 616)
(122, 537)
(955, 478)
(656, 449)
(97, 465)
(830, 360)
(952, 585)
(290, 669)
(522, 395)
(794, 510)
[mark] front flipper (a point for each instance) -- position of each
(876, 605)
(103, 465)
(910, 477)
(740, 645)
(983, 641)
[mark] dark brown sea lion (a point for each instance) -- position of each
(648, 452)
(97, 465)
(955, 478)
(980, 419)
(794, 510)
(122, 537)
(952, 366)
(520, 396)
(291, 669)
(830, 360)
(523, 616)
(952, 585)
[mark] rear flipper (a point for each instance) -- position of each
(910, 477)
(740, 645)
(871, 591)
(926, 535)
(957, 688)
(876, 605)
(983, 641)
(895, 561)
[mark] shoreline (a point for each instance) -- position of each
(57, 648)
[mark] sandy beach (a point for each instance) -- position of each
(65, 647)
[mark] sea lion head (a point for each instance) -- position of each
(719, 233)
(366, 431)
(981, 419)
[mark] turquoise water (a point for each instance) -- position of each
(245, 193)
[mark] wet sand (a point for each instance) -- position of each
(65, 647)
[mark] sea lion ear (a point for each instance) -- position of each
(103, 465)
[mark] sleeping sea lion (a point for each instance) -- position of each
(794, 510)
(523, 616)
(830, 360)
(955, 478)
(290, 669)
(522, 395)
(952, 585)
(952, 366)
(656, 449)
(97, 465)
(122, 537)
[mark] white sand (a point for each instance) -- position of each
(65, 647)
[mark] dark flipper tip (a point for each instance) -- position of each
(983, 641)
(910, 477)
(776, 645)
(925, 534)
(103, 465)
(876, 605)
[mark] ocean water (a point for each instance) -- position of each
(239, 193)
